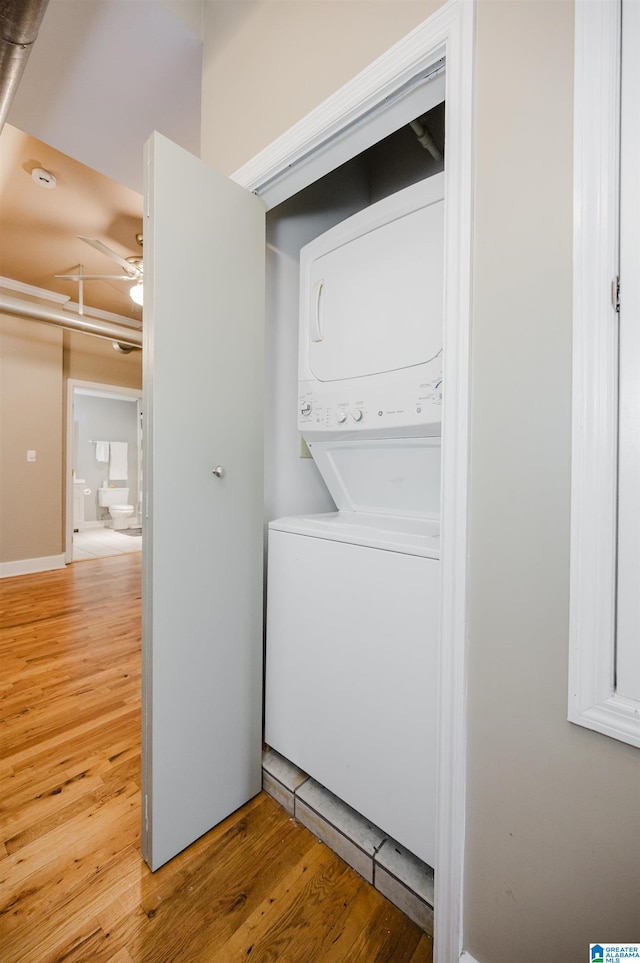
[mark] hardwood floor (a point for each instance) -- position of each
(73, 885)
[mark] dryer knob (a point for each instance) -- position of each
(342, 417)
(356, 415)
(305, 408)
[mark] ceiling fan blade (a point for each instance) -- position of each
(131, 278)
(99, 246)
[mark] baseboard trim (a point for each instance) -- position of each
(28, 566)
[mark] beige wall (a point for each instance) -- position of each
(31, 418)
(267, 63)
(553, 835)
(35, 361)
(95, 359)
(553, 838)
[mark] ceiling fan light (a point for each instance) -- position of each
(135, 293)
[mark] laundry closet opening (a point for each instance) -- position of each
(302, 697)
(292, 483)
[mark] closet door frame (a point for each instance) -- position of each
(288, 165)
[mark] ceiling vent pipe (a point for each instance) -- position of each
(19, 24)
(100, 329)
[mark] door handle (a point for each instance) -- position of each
(317, 333)
(218, 472)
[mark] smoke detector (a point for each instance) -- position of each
(43, 178)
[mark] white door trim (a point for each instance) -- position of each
(592, 700)
(72, 384)
(627, 654)
(448, 33)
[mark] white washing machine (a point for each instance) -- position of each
(353, 596)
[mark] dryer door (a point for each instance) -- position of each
(372, 288)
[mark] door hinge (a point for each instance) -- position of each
(615, 294)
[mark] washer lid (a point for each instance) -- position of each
(384, 476)
(410, 536)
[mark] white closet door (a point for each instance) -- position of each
(628, 615)
(204, 245)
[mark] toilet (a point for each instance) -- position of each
(115, 499)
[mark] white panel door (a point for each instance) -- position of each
(204, 245)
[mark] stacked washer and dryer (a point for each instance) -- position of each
(353, 595)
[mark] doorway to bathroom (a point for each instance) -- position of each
(103, 470)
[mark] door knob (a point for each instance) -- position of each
(219, 471)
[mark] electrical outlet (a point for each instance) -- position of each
(304, 451)
(31, 456)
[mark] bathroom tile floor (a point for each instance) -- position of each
(98, 542)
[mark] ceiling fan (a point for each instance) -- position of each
(132, 267)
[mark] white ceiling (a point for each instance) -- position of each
(101, 77)
(40, 227)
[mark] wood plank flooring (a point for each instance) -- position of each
(73, 885)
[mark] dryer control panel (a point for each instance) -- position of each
(371, 320)
(370, 405)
